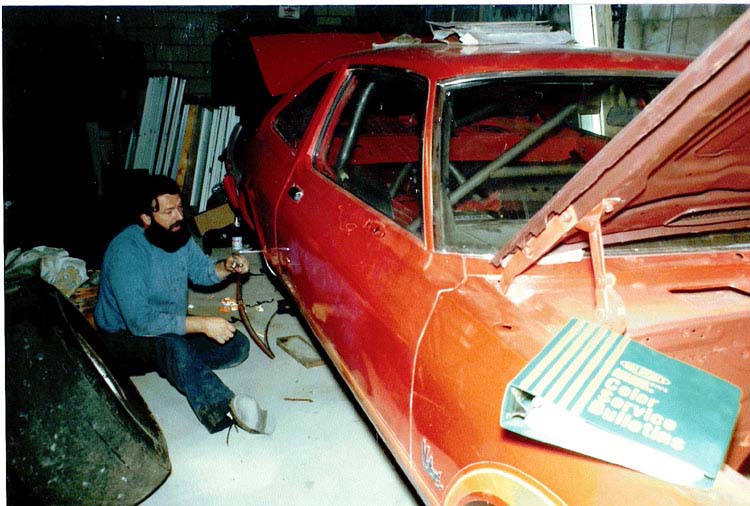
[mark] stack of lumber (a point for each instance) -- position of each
(182, 141)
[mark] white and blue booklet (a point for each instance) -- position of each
(601, 394)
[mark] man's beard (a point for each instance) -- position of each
(168, 239)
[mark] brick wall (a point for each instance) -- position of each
(176, 40)
(334, 16)
(179, 39)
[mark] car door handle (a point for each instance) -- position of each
(295, 193)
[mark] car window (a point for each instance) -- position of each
(372, 146)
(508, 145)
(293, 120)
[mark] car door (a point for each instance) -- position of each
(349, 229)
(271, 156)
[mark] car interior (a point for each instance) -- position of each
(508, 145)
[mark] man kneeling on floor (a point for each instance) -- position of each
(142, 308)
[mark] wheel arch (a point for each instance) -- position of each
(498, 484)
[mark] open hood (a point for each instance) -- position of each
(681, 166)
(285, 59)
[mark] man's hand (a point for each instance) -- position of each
(215, 327)
(233, 263)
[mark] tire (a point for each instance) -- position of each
(75, 434)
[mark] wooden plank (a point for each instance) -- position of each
(166, 128)
(130, 155)
(155, 125)
(178, 143)
(189, 155)
(231, 121)
(176, 130)
(153, 111)
(200, 160)
(145, 125)
(217, 169)
(300, 350)
(206, 189)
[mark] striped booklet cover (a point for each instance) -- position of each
(601, 394)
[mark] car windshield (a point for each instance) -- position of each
(506, 146)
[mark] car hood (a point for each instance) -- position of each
(681, 166)
(287, 58)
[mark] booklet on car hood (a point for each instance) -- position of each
(601, 394)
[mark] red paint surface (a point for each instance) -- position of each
(427, 340)
(286, 59)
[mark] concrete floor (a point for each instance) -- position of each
(322, 452)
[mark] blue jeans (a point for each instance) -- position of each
(187, 362)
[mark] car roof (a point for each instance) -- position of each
(439, 61)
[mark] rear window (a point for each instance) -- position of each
(372, 146)
(293, 120)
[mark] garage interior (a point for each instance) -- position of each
(75, 81)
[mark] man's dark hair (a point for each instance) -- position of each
(153, 187)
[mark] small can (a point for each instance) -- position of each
(236, 243)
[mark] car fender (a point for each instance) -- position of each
(498, 484)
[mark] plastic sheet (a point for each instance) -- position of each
(53, 265)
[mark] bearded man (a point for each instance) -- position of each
(142, 311)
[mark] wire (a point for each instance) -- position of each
(260, 303)
(268, 325)
(282, 307)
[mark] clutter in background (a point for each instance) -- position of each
(402, 40)
(512, 32)
(182, 141)
(228, 305)
(85, 298)
(54, 265)
(216, 218)
(58, 268)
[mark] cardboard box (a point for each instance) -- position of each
(219, 217)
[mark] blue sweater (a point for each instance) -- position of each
(144, 289)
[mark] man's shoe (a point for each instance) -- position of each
(249, 416)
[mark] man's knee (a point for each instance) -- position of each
(175, 352)
(242, 346)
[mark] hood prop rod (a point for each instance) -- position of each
(610, 308)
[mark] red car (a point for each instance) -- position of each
(440, 212)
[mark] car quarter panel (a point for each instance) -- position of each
(270, 165)
(270, 159)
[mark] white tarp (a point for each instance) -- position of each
(54, 265)
(516, 32)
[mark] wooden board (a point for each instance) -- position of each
(300, 350)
